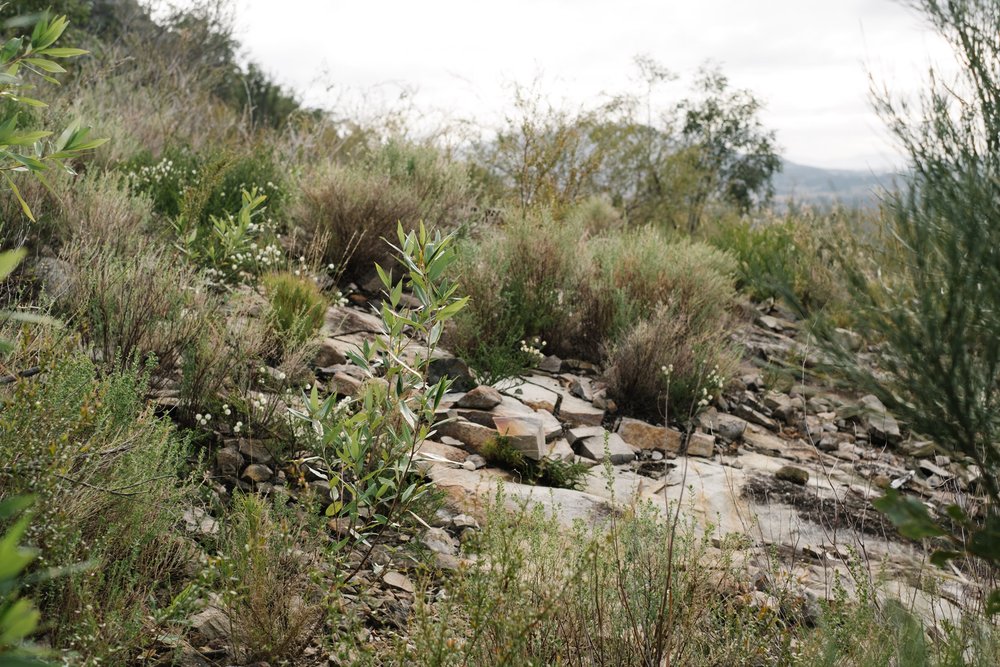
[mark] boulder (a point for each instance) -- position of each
(578, 412)
(257, 472)
(537, 398)
(728, 428)
(701, 444)
(330, 353)
(454, 368)
(525, 434)
(228, 461)
(469, 434)
(593, 447)
(256, 451)
(882, 427)
(481, 398)
(646, 436)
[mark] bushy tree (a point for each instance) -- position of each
(735, 156)
(935, 301)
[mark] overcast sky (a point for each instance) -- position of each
(807, 59)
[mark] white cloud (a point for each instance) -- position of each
(808, 59)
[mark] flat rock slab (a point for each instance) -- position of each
(593, 447)
(473, 436)
(341, 320)
(646, 436)
(480, 398)
(534, 396)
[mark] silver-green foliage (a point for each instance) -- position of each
(367, 443)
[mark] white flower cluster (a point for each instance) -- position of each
(238, 427)
(162, 170)
(203, 419)
(533, 348)
(714, 383)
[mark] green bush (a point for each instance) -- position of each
(107, 477)
(793, 257)
(138, 306)
(233, 249)
(936, 302)
(664, 367)
(636, 271)
(263, 571)
(521, 281)
(298, 307)
(348, 210)
(181, 181)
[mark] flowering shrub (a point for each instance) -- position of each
(233, 249)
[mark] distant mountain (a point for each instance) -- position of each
(824, 187)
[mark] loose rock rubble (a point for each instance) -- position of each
(795, 469)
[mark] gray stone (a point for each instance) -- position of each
(559, 450)
(525, 434)
(728, 428)
(228, 461)
(454, 368)
(211, 623)
(578, 433)
(343, 384)
(593, 447)
(578, 412)
(550, 364)
(537, 398)
(329, 354)
(480, 398)
(256, 451)
(439, 541)
(882, 427)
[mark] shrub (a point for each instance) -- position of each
(521, 281)
(18, 616)
(106, 475)
(595, 215)
(635, 272)
(367, 443)
(792, 256)
(298, 307)
(138, 306)
(937, 304)
(165, 179)
(263, 568)
(666, 365)
(349, 210)
(232, 249)
(623, 592)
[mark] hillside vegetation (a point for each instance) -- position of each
(283, 388)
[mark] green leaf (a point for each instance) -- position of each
(62, 52)
(46, 65)
(941, 557)
(18, 622)
(909, 515)
(8, 262)
(20, 199)
(993, 603)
